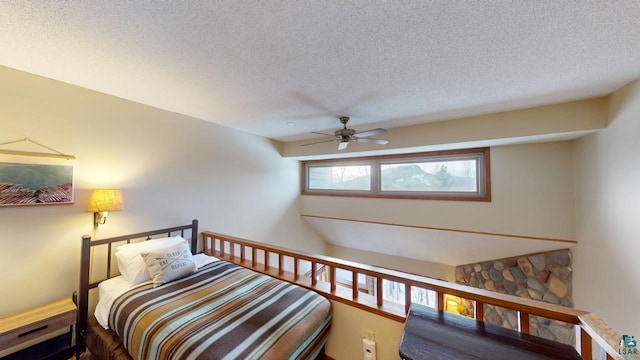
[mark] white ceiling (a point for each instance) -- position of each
(258, 65)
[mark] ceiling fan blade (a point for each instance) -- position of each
(319, 142)
(343, 145)
(372, 132)
(372, 141)
(319, 133)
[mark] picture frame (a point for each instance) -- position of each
(28, 179)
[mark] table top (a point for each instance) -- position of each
(17, 320)
(432, 334)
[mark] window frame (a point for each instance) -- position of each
(483, 173)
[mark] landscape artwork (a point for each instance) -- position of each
(37, 179)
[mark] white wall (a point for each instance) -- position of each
(171, 169)
(606, 276)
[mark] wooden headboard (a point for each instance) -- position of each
(86, 283)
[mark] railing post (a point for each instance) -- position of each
(254, 255)
(354, 285)
(407, 297)
(440, 300)
(479, 313)
(585, 345)
(523, 322)
(314, 281)
(379, 291)
(332, 278)
(205, 249)
(212, 243)
(280, 264)
(296, 270)
(266, 260)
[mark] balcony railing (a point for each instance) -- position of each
(292, 266)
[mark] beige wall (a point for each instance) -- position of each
(532, 195)
(348, 328)
(607, 257)
(504, 127)
(171, 169)
(424, 268)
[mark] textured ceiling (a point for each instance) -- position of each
(258, 65)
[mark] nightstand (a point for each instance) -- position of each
(18, 328)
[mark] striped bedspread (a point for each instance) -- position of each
(223, 311)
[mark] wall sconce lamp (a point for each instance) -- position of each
(101, 202)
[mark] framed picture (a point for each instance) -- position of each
(35, 179)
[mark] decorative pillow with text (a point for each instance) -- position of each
(169, 263)
(130, 263)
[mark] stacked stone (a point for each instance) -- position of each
(543, 277)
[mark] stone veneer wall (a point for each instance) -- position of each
(544, 277)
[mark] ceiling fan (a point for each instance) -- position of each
(345, 135)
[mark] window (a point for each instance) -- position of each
(340, 177)
(447, 175)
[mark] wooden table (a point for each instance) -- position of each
(433, 334)
(31, 324)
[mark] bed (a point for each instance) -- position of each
(190, 306)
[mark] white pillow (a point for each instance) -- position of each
(169, 263)
(131, 265)
(202, 260)
(108, 291)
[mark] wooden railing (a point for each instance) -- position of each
(273, 260)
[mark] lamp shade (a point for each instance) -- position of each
(105, 200)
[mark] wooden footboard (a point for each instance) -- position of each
(86, 266)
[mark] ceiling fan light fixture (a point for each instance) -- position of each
(345, 135)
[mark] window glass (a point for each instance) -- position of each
(349, 177)
(457, 175)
